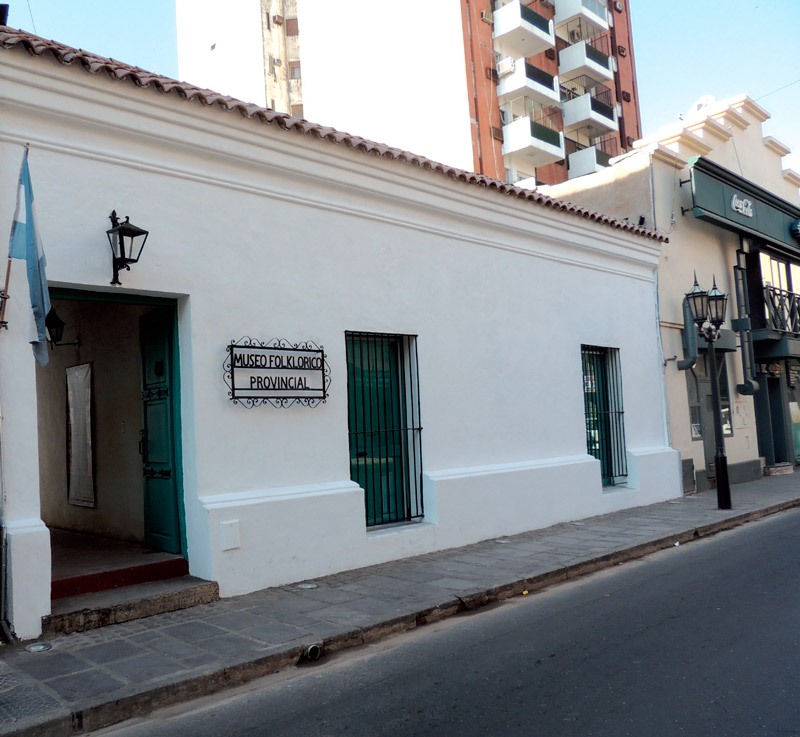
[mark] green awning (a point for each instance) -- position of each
(734, 203)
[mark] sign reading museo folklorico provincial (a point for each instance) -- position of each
(278, 372)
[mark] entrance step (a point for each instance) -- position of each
(92, 610)
(779, 469)
(88, 583)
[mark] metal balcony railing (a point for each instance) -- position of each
(597, 56)
(534, 18)
(595, 7)
(540, 76)
(601, 108)
(606, 148)
(543, 133)
(783, 309)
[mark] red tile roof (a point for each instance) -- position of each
(94, 64)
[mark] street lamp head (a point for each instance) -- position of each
(717, 302)
(697, 299)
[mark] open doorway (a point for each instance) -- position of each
(109, 444)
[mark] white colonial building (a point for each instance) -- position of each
(330, 353)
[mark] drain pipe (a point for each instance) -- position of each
(313, 652)
(742, 324)
(690, 335)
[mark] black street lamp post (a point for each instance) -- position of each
(708, 313)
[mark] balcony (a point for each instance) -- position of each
(584, 59)
(593, 110)
(529, 143)
(783, 310)
(580, 19)
(586, 161)
(529, 81)
(521, 32)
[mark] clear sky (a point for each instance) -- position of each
(684, 49)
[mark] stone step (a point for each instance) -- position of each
(779, 469)
(90, 611)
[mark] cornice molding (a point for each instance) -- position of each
(776, 146)
(711, 127)
(748, 106)
(791, 176)
(686, 139)
(731, 117)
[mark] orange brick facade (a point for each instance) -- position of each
(480, 62)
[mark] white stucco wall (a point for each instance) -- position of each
(272, 234)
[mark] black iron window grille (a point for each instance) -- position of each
(602, 397)
(385, 430)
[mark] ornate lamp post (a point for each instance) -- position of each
(708, 313)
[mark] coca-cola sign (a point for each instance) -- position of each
(742, 205)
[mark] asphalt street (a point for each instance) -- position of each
(702, 639)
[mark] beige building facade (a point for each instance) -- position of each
(716, 187)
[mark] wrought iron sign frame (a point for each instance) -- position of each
(239, 395)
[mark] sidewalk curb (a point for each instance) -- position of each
(94, 716)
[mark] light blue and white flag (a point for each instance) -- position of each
(25, 244)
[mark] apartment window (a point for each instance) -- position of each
(384, 425)
(602, 399)
(291, 27)
(294, 70)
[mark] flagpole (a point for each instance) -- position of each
(4, 295)
(4, 298)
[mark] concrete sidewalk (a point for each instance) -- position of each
(92, 679)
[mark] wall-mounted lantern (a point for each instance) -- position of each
(55, 330)
(127, 242)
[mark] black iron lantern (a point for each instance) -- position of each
(127, 242)
(55, 330)
(717, 302)
(698, 303)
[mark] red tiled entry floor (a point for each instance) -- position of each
(84, 564)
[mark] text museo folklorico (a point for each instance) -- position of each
(276, 361)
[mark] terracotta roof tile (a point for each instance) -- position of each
(94, 64)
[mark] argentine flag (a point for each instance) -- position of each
(25, 244)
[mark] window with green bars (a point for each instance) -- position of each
(385, 432)
(602, 399)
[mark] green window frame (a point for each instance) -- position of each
(385, 432)
(604, 413)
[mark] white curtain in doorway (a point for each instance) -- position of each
(79, 436)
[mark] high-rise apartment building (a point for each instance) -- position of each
(528, 91)
(283, 75)
(552, 86)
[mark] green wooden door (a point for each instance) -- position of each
(161, 507)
